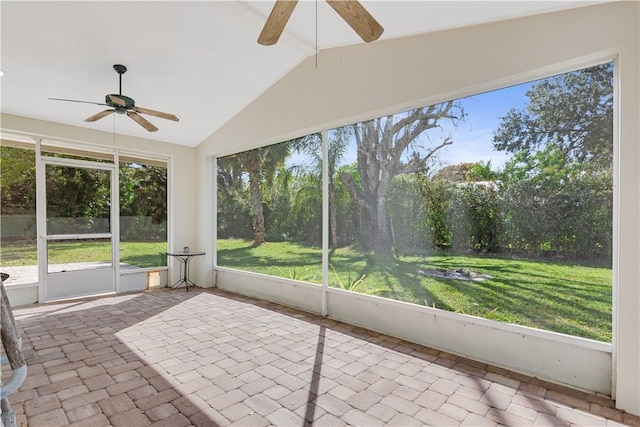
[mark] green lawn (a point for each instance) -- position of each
(140, 254)
(566, 298)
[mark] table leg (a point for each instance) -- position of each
(184, 274)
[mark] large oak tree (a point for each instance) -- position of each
(388, 146)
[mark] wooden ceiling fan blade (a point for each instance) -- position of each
(117, 100)
(358, 18)
(75, 100)
(98, 116)
(157, 114)
(142, 121)
(276, 22)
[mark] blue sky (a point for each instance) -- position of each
(472, 138)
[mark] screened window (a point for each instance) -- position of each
(498, 205)
(143, 213)
(270, 210)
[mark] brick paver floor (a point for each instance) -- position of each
(210, 358)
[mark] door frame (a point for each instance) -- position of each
(41, 215)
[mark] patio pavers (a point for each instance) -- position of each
(211, 358)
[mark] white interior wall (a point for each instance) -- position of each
(363, 81)
(182, 230)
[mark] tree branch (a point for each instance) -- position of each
(415, 167)
(354, 192)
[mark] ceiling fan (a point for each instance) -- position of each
(351, 11)
(124, 105)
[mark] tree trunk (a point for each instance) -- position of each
(256, 204)
(333, 219)
(381, 144)
(382, 245)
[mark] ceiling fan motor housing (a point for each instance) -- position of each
(130, 103)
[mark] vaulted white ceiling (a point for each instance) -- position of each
(197, 59)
